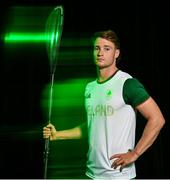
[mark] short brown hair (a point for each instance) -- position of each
(110, 35)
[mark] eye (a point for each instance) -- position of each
(96, 48)
(107, 48)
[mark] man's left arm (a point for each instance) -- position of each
(155, 121)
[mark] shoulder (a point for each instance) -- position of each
(90, 85)
(131, 83)
(123, 75)
(134, 92)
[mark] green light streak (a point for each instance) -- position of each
(57, 36)
(15, 37)
(52, 39)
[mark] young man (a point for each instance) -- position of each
(111, 102)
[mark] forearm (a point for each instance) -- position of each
(74, 133)
(148, 137)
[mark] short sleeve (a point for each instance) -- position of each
(134, 92)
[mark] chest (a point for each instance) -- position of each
(106, 97)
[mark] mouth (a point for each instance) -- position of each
(99, 59)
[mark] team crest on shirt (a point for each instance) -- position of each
(109, 93)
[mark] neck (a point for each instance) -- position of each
(105, 73)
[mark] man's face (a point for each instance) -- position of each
(105, 53)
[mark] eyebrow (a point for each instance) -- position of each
(104, 46)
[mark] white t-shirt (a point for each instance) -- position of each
(111, 125)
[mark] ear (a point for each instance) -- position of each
(117, 52)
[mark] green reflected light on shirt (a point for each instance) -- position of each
(67, 101)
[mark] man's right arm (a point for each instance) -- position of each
(74, 133)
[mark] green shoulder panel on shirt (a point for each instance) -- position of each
(134, 92)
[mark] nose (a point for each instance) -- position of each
(100, 53)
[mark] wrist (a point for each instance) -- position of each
(136, 152)
(54, 135)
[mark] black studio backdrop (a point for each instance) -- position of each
(143, 32)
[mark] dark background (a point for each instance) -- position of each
(142, 27)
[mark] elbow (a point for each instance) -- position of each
(162, 122)
(158, 123)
